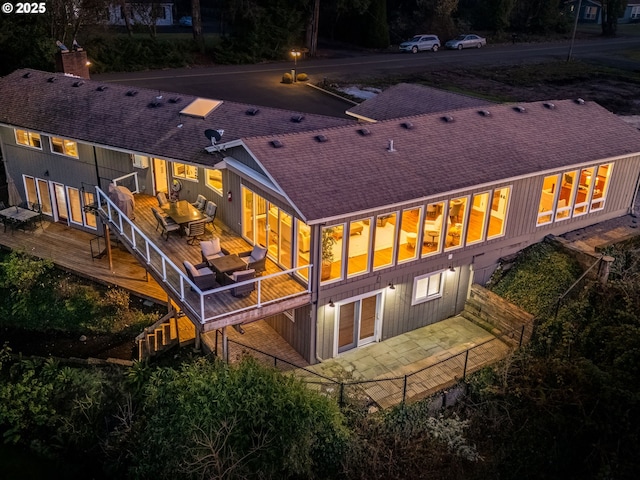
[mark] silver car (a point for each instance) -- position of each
(421, 42)
(466, 41)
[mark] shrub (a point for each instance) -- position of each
(287, 78)
(302, 77)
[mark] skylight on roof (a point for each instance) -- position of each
(201, 107)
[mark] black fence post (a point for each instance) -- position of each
(404, 389)
(521, 336)
(341, 402)
(466, 359)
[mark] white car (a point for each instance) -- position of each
(466, 41)
(421, 42)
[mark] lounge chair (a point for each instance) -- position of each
(255, 259)
(162, 200)
(241, 276)
(211, 249)
(200, 274)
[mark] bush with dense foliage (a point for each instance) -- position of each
(36, 296)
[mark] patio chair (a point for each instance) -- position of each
(167, 224)
(200, 202)
(241, 276)
(162, 200)
(211, 249)
(210, 211)
(194, 230)
(201, 275)
(255, 259)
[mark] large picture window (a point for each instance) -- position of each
(427, 287)
(573, 193)
(28, 139)
(62, 146)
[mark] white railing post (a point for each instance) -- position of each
(259, 304)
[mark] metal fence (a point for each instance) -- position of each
(387, 392)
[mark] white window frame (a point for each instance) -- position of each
(635, 13)
(29, 134)
(415, 300)
(184, 176)
(206, 180)
(64, 148)
(590, 13)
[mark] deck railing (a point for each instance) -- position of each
(205, 304)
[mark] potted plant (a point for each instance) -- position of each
(328, 241)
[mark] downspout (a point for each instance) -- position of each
(95, 162)
(314, 278)
(635, 196)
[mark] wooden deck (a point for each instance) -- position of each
(71, 249)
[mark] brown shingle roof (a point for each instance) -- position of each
(351, 172)
(112, 118)
(405, 99)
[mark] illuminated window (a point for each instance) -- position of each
(214, 180)
(62, 146)
(407, 243)
(432, 229)
(455, 225)
(332, 242)
(600, 186)
(304, 245)
(89, 217)
(498, 213)
(384, 240)
(358, 247)
(29, 139)
(75, 208)
(547, 199)
(427, 287)
(590, 13)
(477, 218)
(182, 170)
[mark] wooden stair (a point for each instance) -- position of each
(159, 337)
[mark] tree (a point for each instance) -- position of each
(611, 10)
(196, 24)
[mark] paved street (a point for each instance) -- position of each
(261, 84)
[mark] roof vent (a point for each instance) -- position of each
(519, 109)
(447, 118)
(132, 93)
(390, 147)
(484, 113)
(549, 105)
(27, 75)
(253, 111)
(174, 99)
(297, 118)
(277, 144)
(364, 132)
(579, 101)
(321, 138)
(51, 79)
(408, 125)
(155, 103)
(102, 88)
(79, 83)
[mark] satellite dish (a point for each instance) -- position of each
(213, 135)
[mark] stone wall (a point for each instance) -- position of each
(498, 316)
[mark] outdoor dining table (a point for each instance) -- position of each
(226, 264)
(18, 215)
(182, 212)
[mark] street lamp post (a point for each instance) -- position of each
(575, 27)
(295, 53)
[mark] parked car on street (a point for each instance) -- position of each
(421, 42)
(185, 21)
(466, 41)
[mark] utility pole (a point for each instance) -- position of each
(575, 27)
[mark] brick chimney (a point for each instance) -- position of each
(73, 62)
